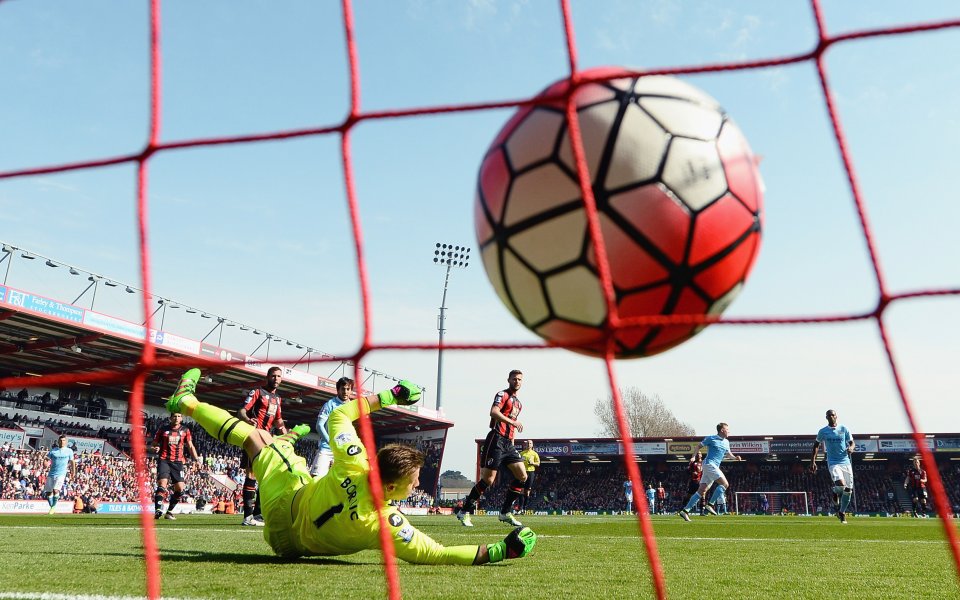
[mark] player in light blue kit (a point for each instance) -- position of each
(322, 460)
(60, 457)
(838, 446)
(651, 499)
(628, 495)
(718, 448)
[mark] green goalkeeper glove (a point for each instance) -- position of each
(518, 544)
(404, 393)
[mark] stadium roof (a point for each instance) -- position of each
(35, 344)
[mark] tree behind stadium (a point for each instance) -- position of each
(647, 416)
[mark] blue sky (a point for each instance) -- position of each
(259, 233)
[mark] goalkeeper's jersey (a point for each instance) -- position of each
(336, 514)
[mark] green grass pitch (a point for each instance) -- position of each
(575, 557)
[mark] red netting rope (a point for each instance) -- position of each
(149, 360)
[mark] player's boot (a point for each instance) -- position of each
(52, 510)
(258, 521)
(158, 514)
(508, 517)
(464, 518)
(684, 515)
(187, 387)
(169, 516)
(710, 509)
(843, 517)
(248, 521)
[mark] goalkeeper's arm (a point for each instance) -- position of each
(414, 546)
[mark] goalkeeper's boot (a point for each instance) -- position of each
(169, 516)
(187, 387)
(684, 515)
(508, 518)
(464, 518)
(710, 509)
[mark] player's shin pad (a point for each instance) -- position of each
(517, 544)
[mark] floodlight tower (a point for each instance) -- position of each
(449, 256)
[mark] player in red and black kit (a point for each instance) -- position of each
(262, 409)
(170, 443)
(916, 482)
(498, 450)
(696, 470)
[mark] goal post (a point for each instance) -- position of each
(752, 502)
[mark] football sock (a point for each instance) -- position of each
(249, 496)
(53, 500)
(693, 502)
(717, 492)
(512, 495)
(174, 500)
(474, 495)
(158, 498)
(845, 499)
(219, 423)
(256, 504)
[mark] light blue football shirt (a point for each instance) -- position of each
(835, 441)
(322, 418)
(59, 459)
(717, 448)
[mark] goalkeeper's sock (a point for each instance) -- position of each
(693, 502)
(845, 500)
(218, 422)
(717, 492)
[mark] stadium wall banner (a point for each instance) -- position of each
(866, 446)
(128, 508)
(645, 448)
(682, 447)
(948, 444)
(903, 445)
(45, 306)
(175, 342)
(83, 445)
(32, 431)
(34, 507)
(607, 448)
(750, 446)
(787, 446)
(552, 449)
(12, 437)
(110, 324)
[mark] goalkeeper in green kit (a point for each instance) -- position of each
(335, 514)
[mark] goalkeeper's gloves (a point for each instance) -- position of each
(404, 393)
(518, 544)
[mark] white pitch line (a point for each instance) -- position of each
(244, 530)
(52, 596)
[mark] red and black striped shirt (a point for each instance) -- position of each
(696, 471)
(263, 407)
(172, 443)
(510, 407)
(916, 478)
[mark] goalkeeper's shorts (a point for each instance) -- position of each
(281, 474)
